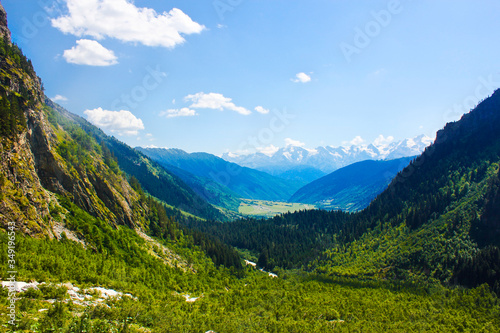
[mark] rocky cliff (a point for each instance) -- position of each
(44, 157)
(4, 30)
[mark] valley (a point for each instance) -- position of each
(261, 208)
(97, 236)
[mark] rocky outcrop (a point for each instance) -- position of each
(32, 171)
(4, 30)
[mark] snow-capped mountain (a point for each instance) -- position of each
(328, 159)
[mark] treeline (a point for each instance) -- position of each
(161, 221)
(289, 240)
(163, 225)
(12, 116)
(445, 204)
(13, 103)
(251, 303)
(483, 268)
(154, 179)
(11, 51)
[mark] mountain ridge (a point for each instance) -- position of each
(328, 158)
(245, 182)
(352, 187)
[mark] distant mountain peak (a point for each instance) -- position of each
(329, 158)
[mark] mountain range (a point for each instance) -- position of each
(98, 237)
(353, 187)
(305, 165)
(238, 181)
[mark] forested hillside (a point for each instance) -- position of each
(245, 182)
(438, 219)
(351, 188)
(155, 179)
(53, 169)
(93, 247)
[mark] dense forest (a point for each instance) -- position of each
(438, 219)
(91, 214)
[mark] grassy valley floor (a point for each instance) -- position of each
(263, 208)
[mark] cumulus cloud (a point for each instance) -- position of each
(184, 112)
(301, 78)
(381, 140)
(269, 150)
(90, 53)
(260, 109)
(121, 122)
(354, 142)
(295, 143)
(59, 98)
(214, 101)
(122, 20)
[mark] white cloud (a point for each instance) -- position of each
(378, 72)
(91, 53)
(122, 20)
(59, 98)
(354, 142)
(302, 78)
(214, 101)
(153, 146)
(260, 109)
(221, 26)
(295, 143)
(184, 112)
(269, 150)
(122, 122)
(381, 140)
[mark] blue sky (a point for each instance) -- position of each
(242, 75)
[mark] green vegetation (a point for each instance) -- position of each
(252, 302)
(228, 180)
(432, 223)
(15, 70)
(401, 265)
(353, 187)
(154, 179)
(263, 208)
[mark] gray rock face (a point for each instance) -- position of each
(4, 30)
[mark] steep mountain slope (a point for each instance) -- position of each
(213, 192)
(245, 182)
(152, 275)
(326, 159)
(437, 220)
(154, 178)
(353, 187)
(42, 157)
